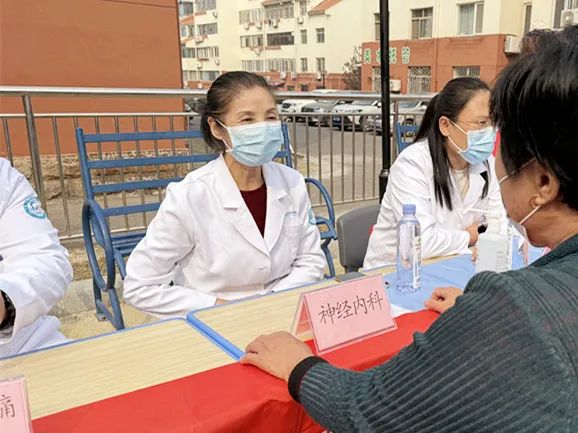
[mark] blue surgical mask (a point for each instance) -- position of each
(480, 144)
(254, 144)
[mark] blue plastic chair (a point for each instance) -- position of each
(404, 135)
(118, 246)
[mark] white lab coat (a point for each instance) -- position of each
(204, 244)
(34, 269)
(443, 232)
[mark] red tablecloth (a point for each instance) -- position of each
(234, 398)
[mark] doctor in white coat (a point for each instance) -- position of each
(240, 226)
(448, 173)
(34, 268)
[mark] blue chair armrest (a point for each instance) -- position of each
(328, 203)
(94, 221)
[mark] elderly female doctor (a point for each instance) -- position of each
(240, 226)
(448, 173)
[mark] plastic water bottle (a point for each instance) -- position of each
(493, 248)
(408, 251)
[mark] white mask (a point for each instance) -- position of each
(519, 226)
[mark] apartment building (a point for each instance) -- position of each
(433, 41)
(296, 44)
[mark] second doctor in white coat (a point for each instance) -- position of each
(34, 268)
(240, 226)
(448, 173)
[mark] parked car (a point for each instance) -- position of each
(293, 106)
(322, 107)
(408, 111)
(348, 113)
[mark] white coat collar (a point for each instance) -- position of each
(230, 197)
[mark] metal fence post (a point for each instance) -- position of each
(34, 150)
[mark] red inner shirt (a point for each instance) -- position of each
(256, 201)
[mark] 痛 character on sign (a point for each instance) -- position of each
(6, 407)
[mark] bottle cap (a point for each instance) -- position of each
(409, 209)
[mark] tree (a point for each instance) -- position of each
(352, 70)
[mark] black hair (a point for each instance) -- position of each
(535, 106)
(537, 39)
(220, 95)
(569, 34)
(448, 103)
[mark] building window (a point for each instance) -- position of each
(304, 37)
(527, 17)
(303, 64)
(281, 65)
(187, 31)
(252, 41)
(253, 65)
(185, 9)
(278, 39)
(377, 19)
(571, 4)
(206, 5)
(278, 12)
(320, 36)
(207, 29)
(303, 8)
(187, 53)
(421, 23)
(305, 87)
(189, 75)
(320, 61)
(376, 80)
(419, 79)
(207, 52)
(250, 16)
(209, 75)
(466, 71)
(471, 18)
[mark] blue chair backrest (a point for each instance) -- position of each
(87, 165)
(401, 135)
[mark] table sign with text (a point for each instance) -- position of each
(340, 315)
(14, 408)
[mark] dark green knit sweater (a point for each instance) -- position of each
(504, 359)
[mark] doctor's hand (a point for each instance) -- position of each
(443, 299)
(277, 354)
(473, 232)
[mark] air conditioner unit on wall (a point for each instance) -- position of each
(247, 26)
(217, 62)
(569, 17)
(395, 85)
(199, 65)
(259, 24)
(293, 75)
(199, 39)
(215, 14)
(283, 75)
(300, 20)
(512, 45)
(318, 76)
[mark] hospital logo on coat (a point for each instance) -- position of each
(312, 220)
(33, 207)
